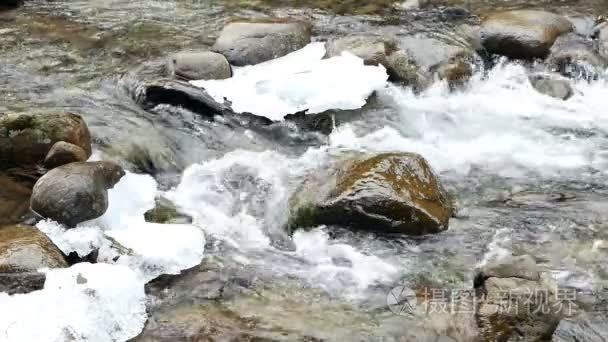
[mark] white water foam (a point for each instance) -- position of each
(243, 198)
(299, 81)
(499, 123)
(86, 302)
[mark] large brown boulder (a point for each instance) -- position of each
(14, 199)
(199, 65)
(516, 303)
(23, 250)
(247, 43)
(25, 139)
(522, 34)
(387, 193)
(75, 192)
(26, 249)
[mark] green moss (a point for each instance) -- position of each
(302, 217)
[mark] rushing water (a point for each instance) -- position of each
(527, 172)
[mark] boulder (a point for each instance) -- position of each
(26, 139)
(26, 249)
(247, 43)
(387, 193)
(75, 192)
(64, 153)
(14, 199)
(514, 302)
(574, 56)
(448, 59)
(552, 86)
(522, 34)
(200, 65)
(373, 50)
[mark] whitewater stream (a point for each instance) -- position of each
(527, 173)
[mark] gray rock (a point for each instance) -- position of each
(64, 153)
(582, 328)
(515, 303)
(373, 50)
(388, 193)
(552, 86)
(574, 56)
(402, 67)
(247, 43)
(523, 267)
(15, 283)
(522, 34)
(75, 192)
(151, 93)
(26, 249)
(201, 65)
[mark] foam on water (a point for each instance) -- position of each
(242, 198)
(499, 123)
(86, 302)
(299, 81)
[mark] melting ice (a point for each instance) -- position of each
(300, 81)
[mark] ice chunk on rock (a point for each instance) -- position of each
(300, 81)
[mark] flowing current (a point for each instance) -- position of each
(503, 150)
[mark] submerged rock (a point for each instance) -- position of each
(516, 303)
(201, 65)
(64, 153)
(552, 86)
(574, 56)
(25, 139)
(247, 43)
(152, 93)
(75, 192)
(522, 34)
(388, 193)
(26, 249)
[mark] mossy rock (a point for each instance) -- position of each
(166, 212)
(386, 193)
(25, 139)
